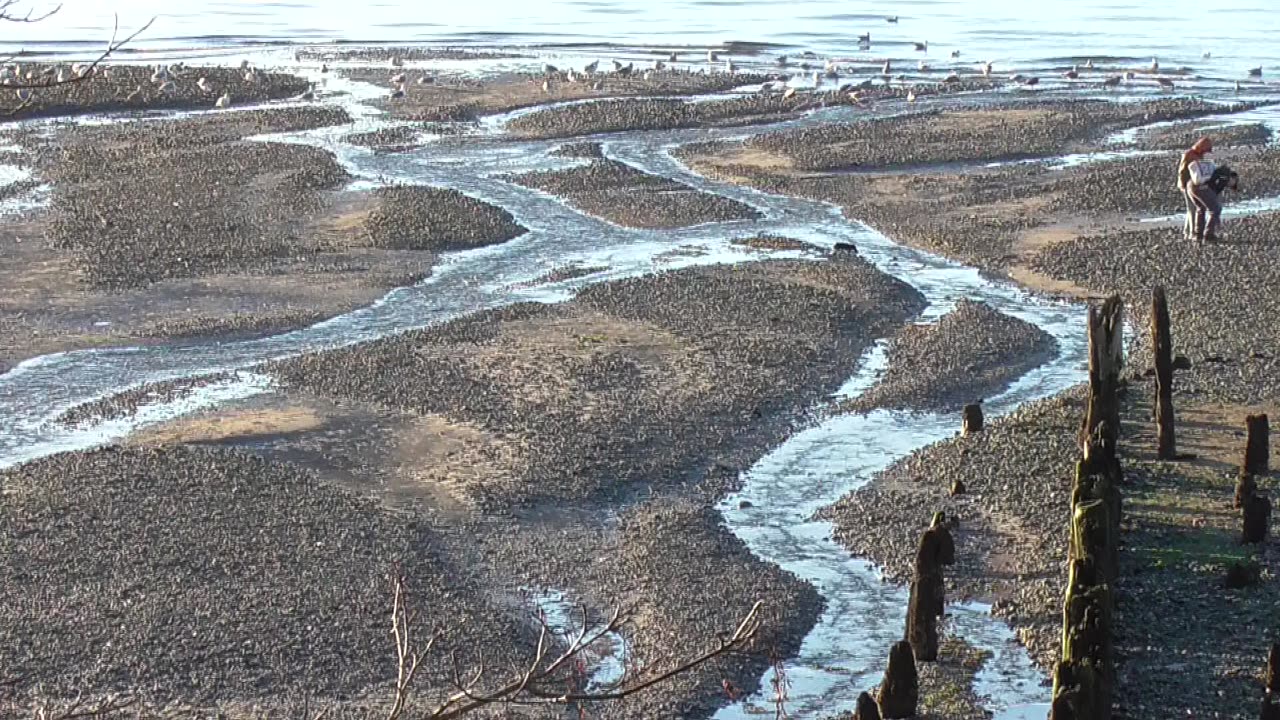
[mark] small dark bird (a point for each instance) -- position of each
(955, 53)
(1255, 72)
(1165, 83)
(730, 689)
(1072, 74)
(864, 39)
(922, 47)
(892, 19)
(1113, 81)
(1032, 81)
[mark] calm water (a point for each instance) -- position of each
(1013, 33)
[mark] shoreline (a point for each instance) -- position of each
(993, 263)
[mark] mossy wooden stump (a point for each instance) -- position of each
(900, 690)
(1257, 448)
(866, 709)
(1106, 363)
(1162, 342)
(1257, 519)
(972, 422)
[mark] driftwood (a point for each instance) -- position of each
(900, 690)
(1257, 448)
(1106, 362)
(972, 418)
(1162, 343)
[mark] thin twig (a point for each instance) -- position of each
(86, 71)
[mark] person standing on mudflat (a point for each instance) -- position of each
(1204, 210)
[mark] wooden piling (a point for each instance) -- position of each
(1246, 486)
(1162, 343)
(1256, 519)
(1106, 362)
(900, 690)
(972, 418)
(866, 709)
(1257, 449)
(1273, 669)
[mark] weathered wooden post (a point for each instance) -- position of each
(1270, 710)
(1257, 449)
(866, 709)
(972, 418)
(1106, 362)
(928, 589)
(1246, 486)
(1257, 517)
(1273, 669)
(900, 690)
(1162, 343)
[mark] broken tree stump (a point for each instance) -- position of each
(1257, 517)
(972, 418)
(1273, 669)
(1257, 449)
(866, 709)
(1246, 486)
(1106, 363)
(900, 690)
(1162, 343)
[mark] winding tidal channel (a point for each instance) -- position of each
(844, 653)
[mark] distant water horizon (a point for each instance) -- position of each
(1046, 35)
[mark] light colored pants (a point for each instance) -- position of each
(1189, 227)
(1208, 214)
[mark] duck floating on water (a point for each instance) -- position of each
(922, 46)
(892, 19)
(1255, 72)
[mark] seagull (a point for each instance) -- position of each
(888, 69)
(426, 80)
(1113, 81)
(1206, 55)
(224, 101)
(711, 56)
(1237, 86)
(1165, 83)
(1129, 75)
(251, 76)
(307, 95)
(1017, 77)
(986, 69)
(546, 86)
(62, 76)
(922, 47)
(160, 75)
(673, 58)
(728, 66)
(570, 77)
(204, 85)
(244, 64)
(788, 93)
(864, 39)
(1032, 81)
(133, 95)
(892, 19)
(397, 79)
(324, 67)
(396, 61)
(911, 96)
(598, 85)
(1255, 72)
(1088, 64)
(924, 66)
(955, 53)
(817, 80)
(591, 67)
(617, 66)
(167, 86)
(398, 92)
(952, 77)
(1155, 65)
(549, 69)
(24, 94)
(781, 61)
(1072, 74)
(648, 75)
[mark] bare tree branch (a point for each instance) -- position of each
(7, 16)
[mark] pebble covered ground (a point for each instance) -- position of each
(254, 581)
(973, 352)
(637, 391)
(114, 88)
(630, 197)
(415, 217)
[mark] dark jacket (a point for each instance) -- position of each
(1223, 178)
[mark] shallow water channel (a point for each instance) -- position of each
(844, 653)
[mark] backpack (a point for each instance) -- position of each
(1201, 171)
